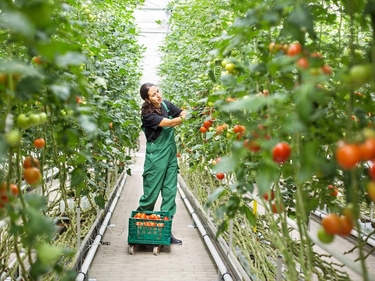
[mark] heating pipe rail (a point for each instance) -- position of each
(225, 275)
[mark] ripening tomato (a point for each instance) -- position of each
(294, 49)
(333, 190)
(203, 130)
(326, 69)
(367, 149)
(32, 175)
(239, 129)
(277, 208)
(31, 162)
(347, 226)
(269, 195)
(303, 63)
(332, 224)
(348, 155)
(220, 176)
(39, 143)
(370, 188)
(281, 152)
(36, 60)
(14, 189)
(251, 145)
(207, 124)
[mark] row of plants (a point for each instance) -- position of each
(280, 95)
(69, 71)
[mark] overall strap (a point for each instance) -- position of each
(165, 106)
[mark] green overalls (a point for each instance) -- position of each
(160, 172)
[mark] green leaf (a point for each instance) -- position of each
(17, 23)
(100, 201)
(299, 22)
(78, 176)
(215, 195)
(70, 58)
(268, 174)
(248, 212)
(63, 92)
(47, 253)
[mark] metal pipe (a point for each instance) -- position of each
(225, 275)
(90, 255)
(355, 233)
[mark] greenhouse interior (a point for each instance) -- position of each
(187, 140)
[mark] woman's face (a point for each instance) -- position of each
(154, 96)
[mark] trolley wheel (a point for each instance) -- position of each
(131, 249)
(156, 250)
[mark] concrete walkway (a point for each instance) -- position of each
(191, 260)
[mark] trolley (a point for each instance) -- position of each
(150, 228)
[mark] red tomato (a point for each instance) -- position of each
(251, 145)
(266, 195)
(334, 191)
(203, 130)
(303, 63)
(327, 69)
(32, 175)
(207, 124)
(220, 176)
(294, 49)
(239, 129)
(346, 226)
(277, 208)
(348, 155)
(281, 152)
(367, 149)
(332, 224)
(30, 162)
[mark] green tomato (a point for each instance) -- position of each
(43, 117)
(360, 74)
(13, 137)
(325, 237)
(224, 62)
(34, 119)
(23, 121)
(229, 67)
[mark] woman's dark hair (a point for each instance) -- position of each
(148, 107)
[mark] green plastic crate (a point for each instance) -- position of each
(149, 231)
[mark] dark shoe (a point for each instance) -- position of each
(175, 240)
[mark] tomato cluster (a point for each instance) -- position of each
(5, 195)
(205, 126)
(304, 57)
(31, 172)
(25, 121)
(334, 224)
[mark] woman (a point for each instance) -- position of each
(160, 168)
